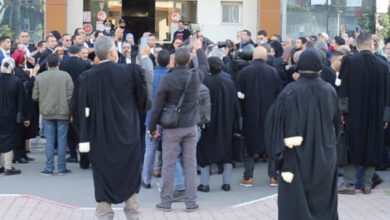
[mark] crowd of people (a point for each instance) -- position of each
(154, 110)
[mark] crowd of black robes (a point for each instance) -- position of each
(215, 145)
(114, 94)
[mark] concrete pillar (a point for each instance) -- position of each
(74, 15)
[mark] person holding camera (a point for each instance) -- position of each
(179, 86)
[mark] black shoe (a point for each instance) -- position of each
(11, 171)
(19, 160)
(2, 170)
(203, 188)
(71, 160)
(64, 172)
(376, 182)
(146, 186)
(349, 190)
(225, 187)
(28, 158)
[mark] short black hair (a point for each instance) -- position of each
(216, 65)
(152, 35)
(247, 32)
(314, 38)
(50, 36)
(76, 31)
(182, 56)
(303, 39)
(277, 36)
(53, 60)
(4, 38)
(364, 39)
(262, 32)
(40, 44)
(339, 40)
(97, 33)
(180, 21)
(163, 58)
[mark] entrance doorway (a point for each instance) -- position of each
(139, 16)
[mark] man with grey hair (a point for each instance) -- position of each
(111, 97)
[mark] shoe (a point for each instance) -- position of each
(192, 208)
(11, 171)
(19, 160)
(146, 186)
(28, 158)
(156, 174)
(47, 173)
(203, 188)
(2, 170)
(225, 187)
(179, 195)
(246, 183)
(376, 182)
(164, 207)
(366, 191)
(273, 182)
(64, 172)
(349, 190)
(72, 160)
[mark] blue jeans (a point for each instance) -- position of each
(51, 128)
(151, 145)
(179, 175)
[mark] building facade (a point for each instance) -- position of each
(217, 19)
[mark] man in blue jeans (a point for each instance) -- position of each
(53, 89)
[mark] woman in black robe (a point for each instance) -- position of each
(12, 114)
(301, 130)
(20, 154)
(215, 145)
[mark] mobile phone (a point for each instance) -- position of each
(357, 29)
(60, 52)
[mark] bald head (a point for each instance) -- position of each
(260, 53)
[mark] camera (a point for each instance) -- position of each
(227, 43)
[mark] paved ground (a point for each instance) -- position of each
(71, 197)
(375, 206)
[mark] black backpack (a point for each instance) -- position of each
(204, 105)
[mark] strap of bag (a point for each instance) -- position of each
(189, 77)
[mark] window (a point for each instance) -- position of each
(231, 12)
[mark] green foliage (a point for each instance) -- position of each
(383, 25)
(6, 30)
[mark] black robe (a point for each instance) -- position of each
(31, 108)
(260, 84)
(309, 109)
(328, 75)
(364, 88)
(12, 102)
(115, 95)
(215, 145)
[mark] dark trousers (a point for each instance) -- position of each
(249, 166)
(72, 141)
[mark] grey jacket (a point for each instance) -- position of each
(171, 88)
(53, 89)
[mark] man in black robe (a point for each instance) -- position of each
(74, 66)
(12, 112)
(111, 96)
(301, 128)
(215, 145)
(364, 94)
(258, 86)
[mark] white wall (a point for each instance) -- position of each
(74, 15)
(210, 18)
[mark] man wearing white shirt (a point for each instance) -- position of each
(336, 60)
(125, 57)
